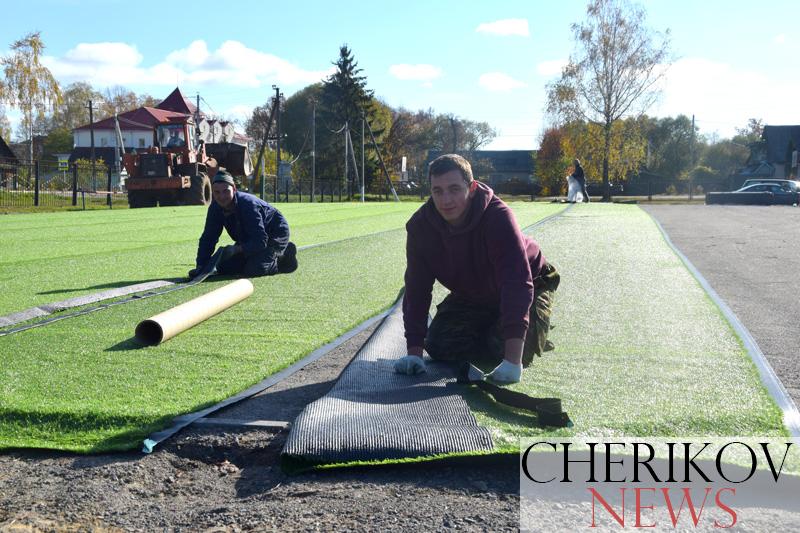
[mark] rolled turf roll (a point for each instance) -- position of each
(171, 322)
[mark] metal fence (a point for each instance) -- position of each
(45, 183)
(331, 190)
(48, 184)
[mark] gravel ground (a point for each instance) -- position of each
(227, 478)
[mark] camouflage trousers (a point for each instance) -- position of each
(466, 331)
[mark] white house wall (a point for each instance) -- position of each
(131, 138)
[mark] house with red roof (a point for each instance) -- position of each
(139, 125)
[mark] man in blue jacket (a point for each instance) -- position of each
(259, 231)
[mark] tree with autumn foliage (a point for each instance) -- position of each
(28, 85)
(552, 162)
(613, 73)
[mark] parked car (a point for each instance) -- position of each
(792, 185)
(757, 194)
(781, 193)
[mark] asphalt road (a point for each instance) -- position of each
(751, 257)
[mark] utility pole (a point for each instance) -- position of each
(691, 163)
(91, 140)
(363, 173)
(355, 165)
(278, 143)
(346, 173)
(197, 120)
(380, 160)
(313, 147)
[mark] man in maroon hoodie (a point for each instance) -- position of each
(468, 239)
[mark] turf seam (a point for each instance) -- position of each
(548, 218)
(791, 415)
(315, 245)
(182, 421)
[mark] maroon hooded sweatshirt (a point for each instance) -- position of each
(487, 261)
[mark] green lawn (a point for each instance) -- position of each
(82, 384)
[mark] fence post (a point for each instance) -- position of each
(300, 190)
(74, 184)
(36, 183)
(287, 191)
(108, 194)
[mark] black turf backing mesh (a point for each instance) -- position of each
(372, 413)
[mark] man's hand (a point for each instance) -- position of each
(410, 365)
(506, 372)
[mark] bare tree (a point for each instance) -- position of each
(28, 84)
(614, 71)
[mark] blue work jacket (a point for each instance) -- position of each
(252, 223)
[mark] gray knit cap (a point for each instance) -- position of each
(222, 176)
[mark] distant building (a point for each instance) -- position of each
(6, 154)
(9, 163)
(498, 167)
(138, 128)
(22, 150)
(775, 156)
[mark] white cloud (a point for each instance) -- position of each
(499, 82)
(551, 68)
(505, 27)
(723, 97)
(420, 72)
(121, 54)
(239, 113)
(191, 57)
(232, 64)
(779, 39)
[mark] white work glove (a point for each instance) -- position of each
(410, 365)
(506, 372)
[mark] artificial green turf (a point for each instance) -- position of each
(83, 384)
(53, 256)
(641, 350)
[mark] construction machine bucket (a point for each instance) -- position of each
(235, 158)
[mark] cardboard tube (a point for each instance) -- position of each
(166, 325)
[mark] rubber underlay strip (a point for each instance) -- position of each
(791, 415)
(182, 421)
(373, 413)
(79, 301)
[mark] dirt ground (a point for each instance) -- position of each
(227, 477)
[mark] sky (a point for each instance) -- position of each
(484, 61)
